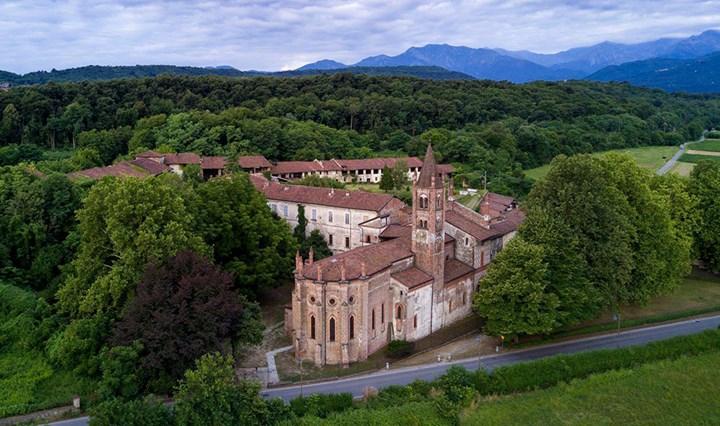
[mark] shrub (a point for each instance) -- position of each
(713, 135)
(321, 405)
(398, 348)
(130, 413)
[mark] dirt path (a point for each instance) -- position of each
(713, 153)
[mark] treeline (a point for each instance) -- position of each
(479, 125)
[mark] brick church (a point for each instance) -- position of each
(419, 278)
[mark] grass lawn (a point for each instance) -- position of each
(289, 370)
(682, 169)
(694, 158)
(706, 145)
(650, 157)
(676, 392)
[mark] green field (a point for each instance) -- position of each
(706, 145)
(671, 392)
(694, 158)
(650, 157)
(682, 169)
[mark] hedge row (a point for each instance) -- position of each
(563, 368)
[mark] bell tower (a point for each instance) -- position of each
(428, 230)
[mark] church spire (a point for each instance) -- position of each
(428, 175)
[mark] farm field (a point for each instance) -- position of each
(670, 392)
(694, 158)
(650, 157)
(707, 145)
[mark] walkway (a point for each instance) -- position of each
(669, 165)
(272, 368)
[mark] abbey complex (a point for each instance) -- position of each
(414, 277)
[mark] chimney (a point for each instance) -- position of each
(311, 255)
(342, 272)
(319, 273)
(363, 271)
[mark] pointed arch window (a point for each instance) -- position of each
(422, 223)
(352, 326)
(399, 312)
(332, 329)
(312, 326)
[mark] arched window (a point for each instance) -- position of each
(332, 329)
(422, 223)
(312, 326)
(352, 327)
(399, 312)
(423, 202)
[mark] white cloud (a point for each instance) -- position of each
(271, 35)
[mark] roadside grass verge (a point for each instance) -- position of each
(682, 391)
(650, 157)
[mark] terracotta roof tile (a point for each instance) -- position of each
(321, 196)
(376, 258)
(455, 269)
(213, 163)
(152, 167)
(254, 162)
(182, 158)
(150, 154)
(412, 277)
(123, 169)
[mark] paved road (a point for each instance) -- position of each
(671, 162)
(404, 376)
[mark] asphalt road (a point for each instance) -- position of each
(404, 376)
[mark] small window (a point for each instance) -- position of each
(332, 301)
(373, 319)
(423, 202)
(285, 210)
(273, 207)
(467, 241)
(415, 321)
(330, 240)
(330, 216)
(312, 299)
(314, 214)
(332, 329)
(382, 314)
(351, 300)
(347, 218)
(367, 238)
(464, 298)
(312, 327)
(451, 306)
(347, 242)
(352, 327)
(438, 200)
(482, 258)
(422, 223)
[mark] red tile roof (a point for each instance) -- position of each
(182, 158)
(455, 269)
(212, 163)
(152, 167)
(123, 169)
(474, 224)
(149, 154)
(412, 278)
(376, 258)
(254, 162)
(321, 196)
(286, 167)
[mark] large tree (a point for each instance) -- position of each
(705, 186)
(247, 239)
(184, 307)
(124, 224)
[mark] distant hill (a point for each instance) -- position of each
(432, 73)
(699, 75)
(325, 64)
(95, 72)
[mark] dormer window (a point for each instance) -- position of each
(423, 202)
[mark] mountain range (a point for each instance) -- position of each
(577, 63)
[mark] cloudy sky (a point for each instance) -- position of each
(277, 34)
